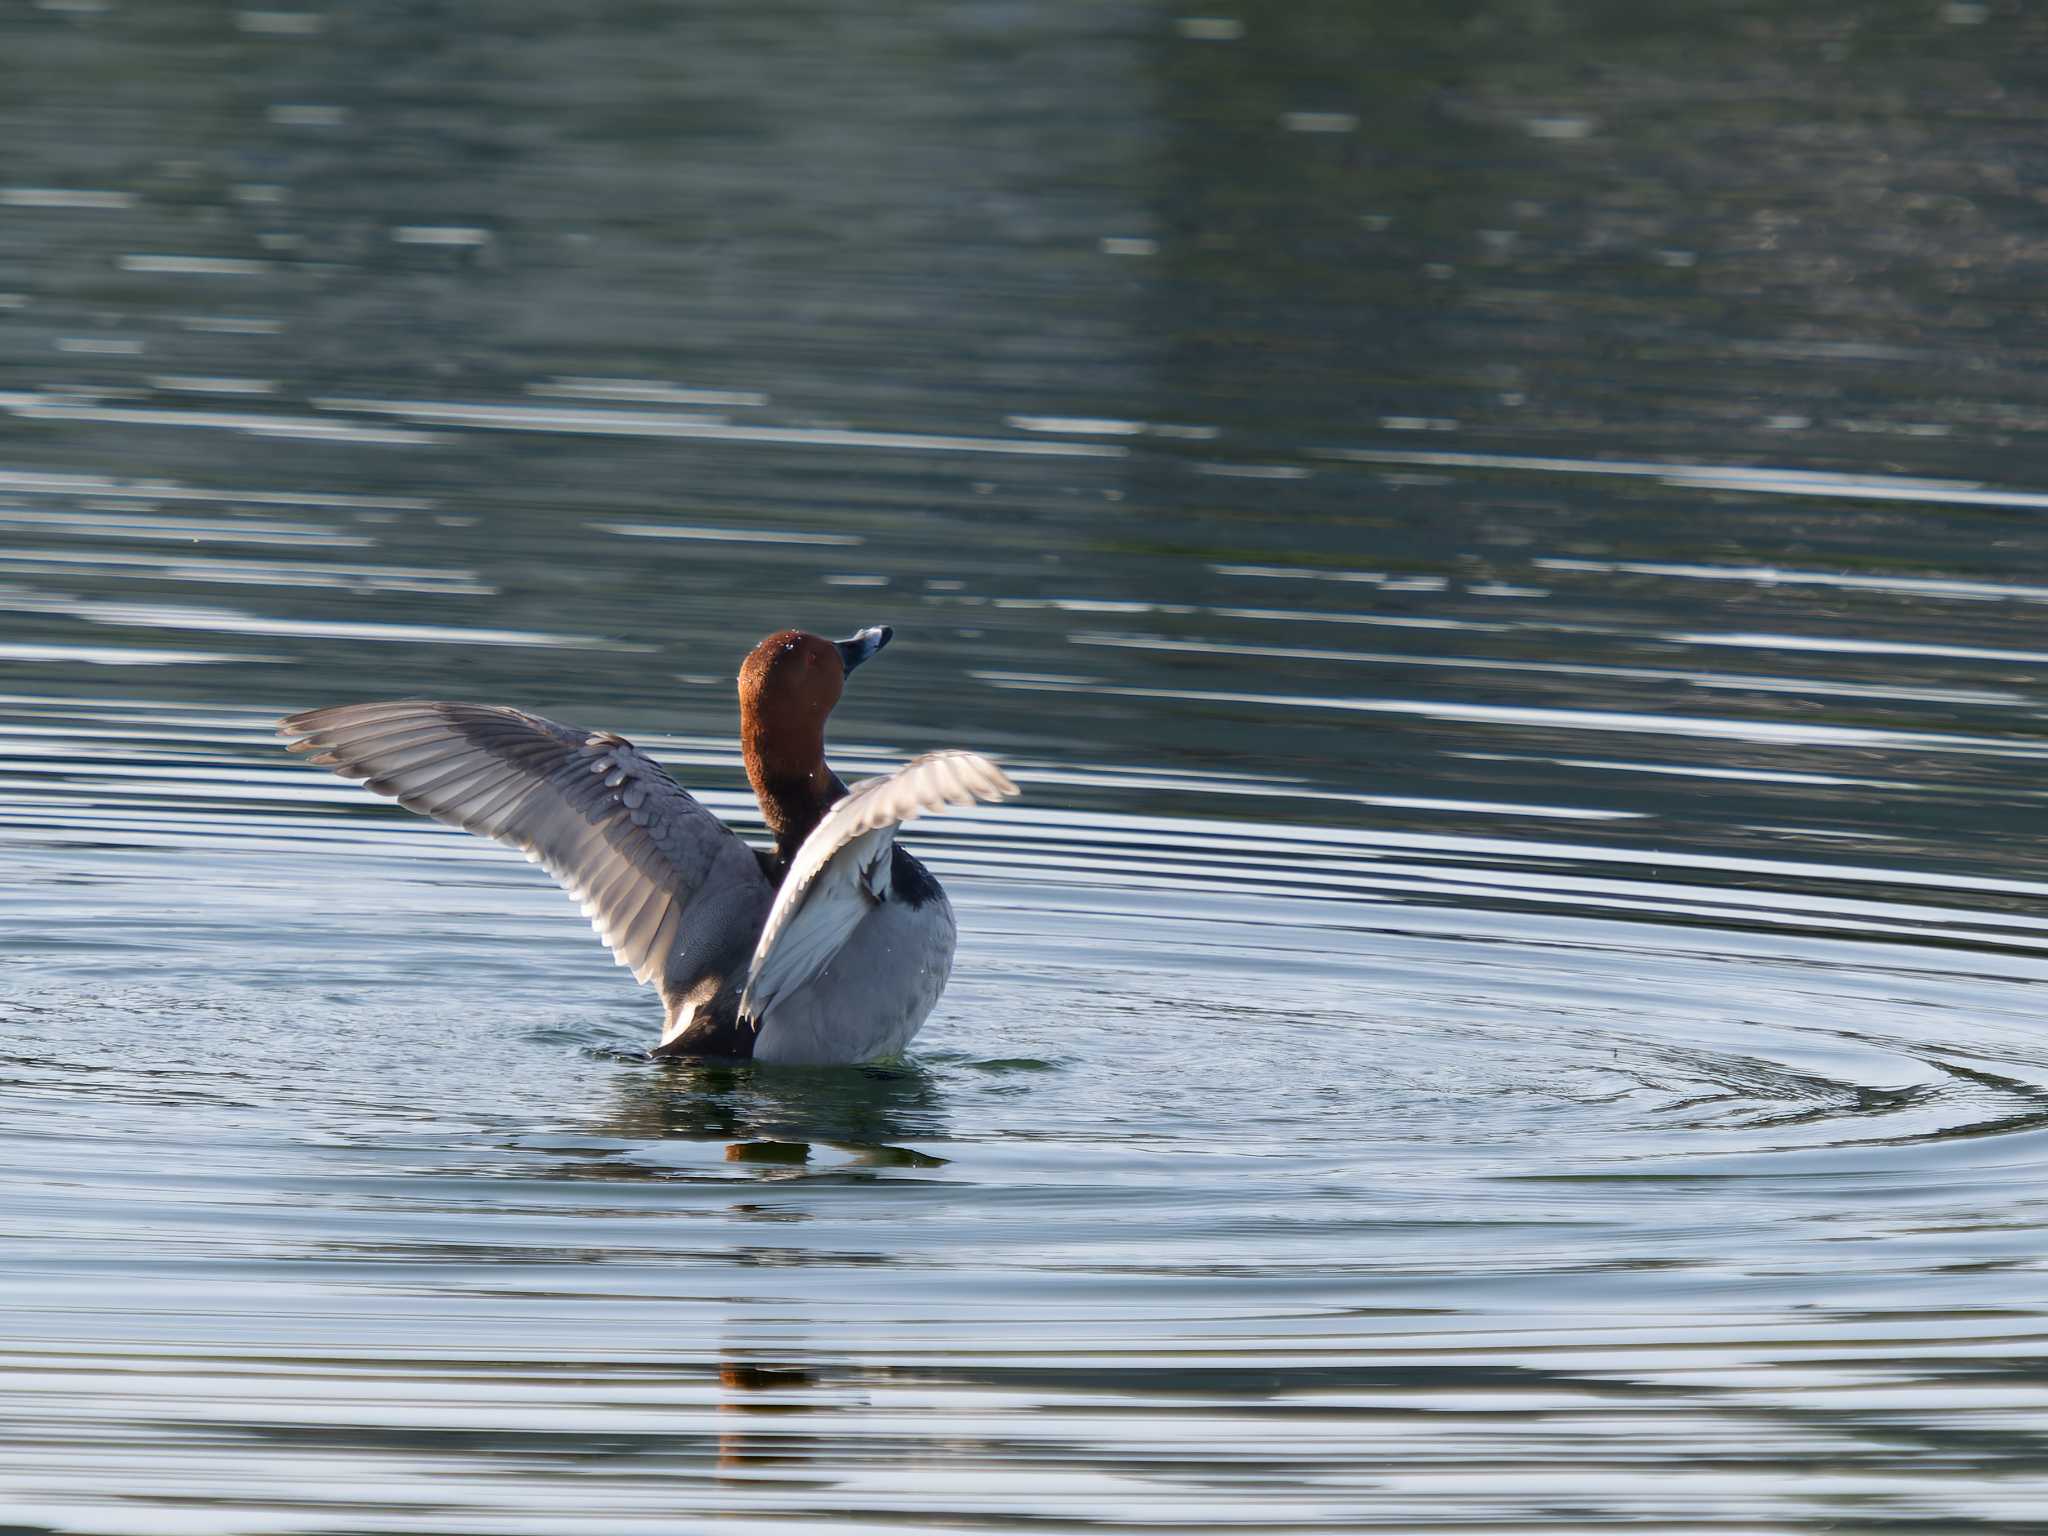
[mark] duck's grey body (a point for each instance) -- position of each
(866, 1003)
(875, 993)
(836, 954)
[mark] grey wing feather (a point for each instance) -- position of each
(843, 866)
(667, 886)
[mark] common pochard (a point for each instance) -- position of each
(832, 948)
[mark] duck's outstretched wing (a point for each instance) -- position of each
(842, 869)
(676, 896)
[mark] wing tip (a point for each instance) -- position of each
(983, 778)
(748, 1013)
(296, 727)
(1003, 786)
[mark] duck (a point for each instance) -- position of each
(829, 948)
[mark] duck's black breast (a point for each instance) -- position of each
(910, 882)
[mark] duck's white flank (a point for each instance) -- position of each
(845, 868)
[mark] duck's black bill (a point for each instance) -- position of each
(855, 649)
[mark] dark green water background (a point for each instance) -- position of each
(1504, 542)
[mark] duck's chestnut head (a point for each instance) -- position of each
(788, 685)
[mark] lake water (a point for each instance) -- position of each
(1504, 547)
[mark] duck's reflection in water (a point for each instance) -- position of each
(751, 1387)
(781, 1115)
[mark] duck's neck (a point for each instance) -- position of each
(791, 781)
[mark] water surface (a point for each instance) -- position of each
(1504, 550)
